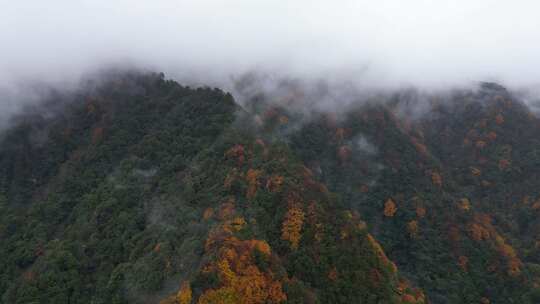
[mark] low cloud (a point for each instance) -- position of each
(382, 44)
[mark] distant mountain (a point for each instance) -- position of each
(140, 190)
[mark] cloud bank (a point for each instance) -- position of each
(382, 43)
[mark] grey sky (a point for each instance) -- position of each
(419, 42)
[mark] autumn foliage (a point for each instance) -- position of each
(292, 226)
(463, 261)
(379, 252)
(237, 153)
(240, 280)
(436, 179)
(420, 212)
(390, 208)
(252, 178)
(185, 294)
(412, 228)
(274, 182)
(464, 204)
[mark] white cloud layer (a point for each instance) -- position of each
(414, 42)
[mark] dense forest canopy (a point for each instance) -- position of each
(140, 190)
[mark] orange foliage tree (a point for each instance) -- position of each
(464, 204)
(420, 212)
(478, 233)
(463, 262)
(236, 152)
(252, 177)
(226, 209)
(390, 208)
(412, 228)
(208, 213)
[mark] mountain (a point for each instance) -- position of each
(136, 189)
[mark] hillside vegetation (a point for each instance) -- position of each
(141, 190)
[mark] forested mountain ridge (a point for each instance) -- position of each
(451, 193)
(140, 190)
(140, 186)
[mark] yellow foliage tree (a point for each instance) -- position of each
(475, 171)
(185, 294)
(292, 226)
(241, 281)
(220, 296)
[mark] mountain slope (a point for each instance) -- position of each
(451, 194)
(138, 187)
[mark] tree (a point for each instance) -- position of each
(464, 204)
(240, 279)
(412, 228)
(292, 226)
(463, 262)
(237, 152)
(420, 212)
(252, 177)
(274, 182)
(185, 294)
(436, 179)
(389, 208)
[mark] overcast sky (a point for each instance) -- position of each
(419, 42)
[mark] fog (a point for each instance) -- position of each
(423, 43)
